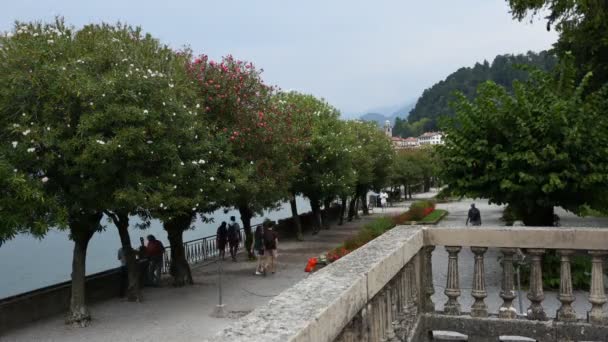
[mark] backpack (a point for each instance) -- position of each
(270, 239)
(475, 215)
(233, 233)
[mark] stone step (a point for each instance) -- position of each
(450, 336)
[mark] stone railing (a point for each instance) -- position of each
(383, 291)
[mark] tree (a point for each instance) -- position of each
(533, 149)
(86, 111)
(582, 27)
(239, 103)
(407, 170)
(372, 154)
(325, 169)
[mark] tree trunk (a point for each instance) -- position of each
(246, 216)
(180, 268)
(537, 216)
(296, 217)
(352, 208)
(316, 214)
(343, 205)
(326, 206)
(121, 220)
(82, 228)
(427, 184)
(363, 197)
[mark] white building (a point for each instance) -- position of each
(388, 129)
(431, 138)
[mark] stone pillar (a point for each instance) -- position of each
(597, 296)
(452, 288)
(428, 287)
(536, 295)
(566, 312)
(382, 315)
(479, 308)
(507, 292)
(390, 332)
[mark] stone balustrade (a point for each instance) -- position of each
(383, 291)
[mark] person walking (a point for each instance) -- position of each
(474, 216)
(234, 237)
(154, 251)
(258, 246)
(221, 237)
(271, 243)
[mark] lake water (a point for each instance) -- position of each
(27, 263)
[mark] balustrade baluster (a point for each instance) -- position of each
(479, 307)
(187, 252)
(382, 306)
(390, 333)
(452, 288)
(428, 287)
(536, 295)
(597, 295)
(507, 292)
(566, 312)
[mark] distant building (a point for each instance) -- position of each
(431, 138)
(388, 129)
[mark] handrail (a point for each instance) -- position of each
(201, 249)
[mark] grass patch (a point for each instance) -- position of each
(434, 216)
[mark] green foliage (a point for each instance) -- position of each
(418, 209)
(369, 232)
(533, 149)
(433, 216)
(582, 27)
(325, 154)
(580, 268)
(435, 101)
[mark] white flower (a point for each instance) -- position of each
(14, 170)
(103, 95)
(48, 128)
(174, 175)
(211, 179)
(170, 85)
(14, 143)
(198, 105)
(175, 187)
(31, 149)
(101, 142)
(161, 205)
(91, 103)
(45, 179)
(119, 145)
(63, 68)
(149, 141)
(145, 111)
(16, 125)
(182, 163)
(26, 132)
(251, 162)
(50, 41)
(201, 190)
(146, 77)
(9, 34)
(23, 114)
(163, 103)
(201, 161)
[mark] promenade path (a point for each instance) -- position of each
(184, 314)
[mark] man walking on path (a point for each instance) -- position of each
(270, 247)
(222, 239)
(474, 216)
(234, 237)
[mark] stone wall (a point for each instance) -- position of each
(318, 308)
(52, 300)
(286, 226)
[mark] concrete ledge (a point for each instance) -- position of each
(318, 308)
(520, 237)
(493, 326)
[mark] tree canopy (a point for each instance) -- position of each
(532, 149)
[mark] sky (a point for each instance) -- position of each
(360, 56)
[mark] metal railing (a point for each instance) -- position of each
(200, 250)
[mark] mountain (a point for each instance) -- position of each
(503, 70)
(395, 112)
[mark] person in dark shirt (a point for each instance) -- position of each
(474, 216)
(222, 239)
(234, 237)
(271, 242)
(155, 252)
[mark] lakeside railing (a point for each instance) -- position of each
(201, 249)
(383, 292)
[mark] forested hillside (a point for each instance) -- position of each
(434, 101)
